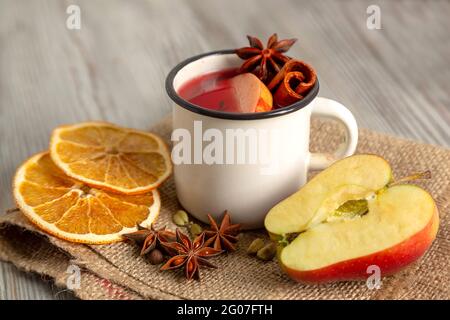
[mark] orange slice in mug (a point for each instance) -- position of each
(110, 157)
(73, 211)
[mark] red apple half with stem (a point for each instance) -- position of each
(349, 217)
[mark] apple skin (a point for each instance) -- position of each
(390, 260)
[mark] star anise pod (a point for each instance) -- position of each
(223, 237)
(267, 61)
(150, 238)
(190, 255)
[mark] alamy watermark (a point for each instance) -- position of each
(373, 21)
(374, 280)
(73, 21)
(73, 280)
(236, 146)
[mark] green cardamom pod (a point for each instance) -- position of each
(195, 229)
(180, 218)
(256, 244)
(267, 252)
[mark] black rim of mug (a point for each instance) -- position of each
(228, 115)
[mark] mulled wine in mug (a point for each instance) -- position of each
(242, 144)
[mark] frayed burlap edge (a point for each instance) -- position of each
(28, 250)
(96, 271)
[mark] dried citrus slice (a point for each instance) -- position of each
(110, 157)
(73, 211)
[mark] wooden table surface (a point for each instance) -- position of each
(395, 80)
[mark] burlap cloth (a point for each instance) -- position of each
(118, 272)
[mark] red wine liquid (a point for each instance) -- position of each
(212, 91)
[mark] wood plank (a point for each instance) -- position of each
(394, 80)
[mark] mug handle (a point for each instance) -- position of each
(327, 108)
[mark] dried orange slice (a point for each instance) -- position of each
(71, 210)
(110, 157)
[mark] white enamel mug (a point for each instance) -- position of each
(234, 176)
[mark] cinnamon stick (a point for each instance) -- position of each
(292, 82)
(286, 93)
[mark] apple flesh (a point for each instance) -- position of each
(252, 94)
(398, 227)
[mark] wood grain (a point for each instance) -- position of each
(395, 80)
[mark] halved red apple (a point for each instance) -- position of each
(251, 93)
(348, 218)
